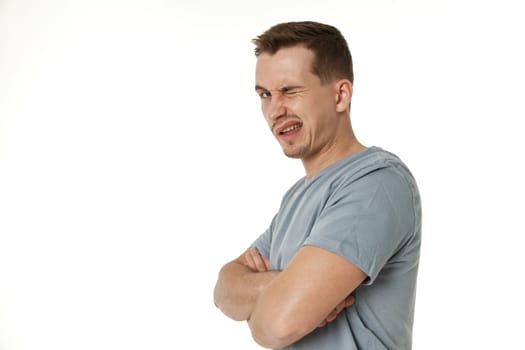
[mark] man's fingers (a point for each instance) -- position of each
(331, 316)
(257, 258)
(249, 261)
(266, 263)
(256, 261)
(350, 300)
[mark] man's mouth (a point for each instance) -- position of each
(289, 129)
(286, 129)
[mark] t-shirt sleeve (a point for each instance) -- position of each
(366, 221)
(263, 242)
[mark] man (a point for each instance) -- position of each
(337, 267)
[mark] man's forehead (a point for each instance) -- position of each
(287, 67)
(296, 53)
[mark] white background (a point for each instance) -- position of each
(134, 162)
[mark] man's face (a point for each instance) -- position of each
(298, 108)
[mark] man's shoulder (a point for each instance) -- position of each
(359, 164)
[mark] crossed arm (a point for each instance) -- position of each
(281, 307)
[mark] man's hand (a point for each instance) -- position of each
(255, 261)
(349, 300)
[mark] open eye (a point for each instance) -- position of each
(265, 94)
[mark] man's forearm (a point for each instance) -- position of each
(238, 288)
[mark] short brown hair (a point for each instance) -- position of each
(332, 55)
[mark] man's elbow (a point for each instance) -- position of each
(236, 313)
(227, 306)
(275, 334)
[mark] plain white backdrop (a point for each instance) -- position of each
(134, 162)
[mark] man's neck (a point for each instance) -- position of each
(329, 157)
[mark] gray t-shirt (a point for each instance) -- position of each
(366, 208)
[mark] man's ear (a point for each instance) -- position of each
(344, 89)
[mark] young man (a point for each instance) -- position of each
(337, 267)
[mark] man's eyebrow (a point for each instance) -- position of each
(291, 87)
(282, 89)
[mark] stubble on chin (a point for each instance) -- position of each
(295, 153)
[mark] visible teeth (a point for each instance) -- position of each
(290, 128)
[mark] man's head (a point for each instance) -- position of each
(304, 79)
(332, 58)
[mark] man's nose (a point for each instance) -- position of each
(277, 108)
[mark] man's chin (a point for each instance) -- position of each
(293, 156)
(295, 153)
